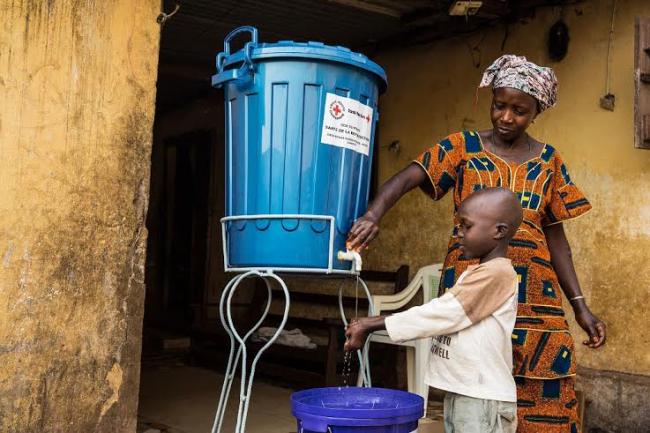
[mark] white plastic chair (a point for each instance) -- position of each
(426, 280)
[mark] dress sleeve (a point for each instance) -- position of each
(440, 162)
(565, 199)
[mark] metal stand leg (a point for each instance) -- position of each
(238, 350)
(364, 361)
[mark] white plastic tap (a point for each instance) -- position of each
(351, 256)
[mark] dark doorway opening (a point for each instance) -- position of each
(187, 179)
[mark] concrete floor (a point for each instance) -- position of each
(182, 399)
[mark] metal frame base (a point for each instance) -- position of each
(239, 353)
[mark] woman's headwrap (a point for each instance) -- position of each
(517, 72)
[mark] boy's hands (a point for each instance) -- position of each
(355, 335)
(358, 330)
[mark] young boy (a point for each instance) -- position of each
(472, 324)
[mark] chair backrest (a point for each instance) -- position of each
(426, 280)
(431, 276)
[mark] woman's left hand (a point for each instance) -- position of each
(593, 326)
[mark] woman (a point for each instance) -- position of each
(543, 350)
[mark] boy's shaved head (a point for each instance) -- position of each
(500, 204)
(488, 219)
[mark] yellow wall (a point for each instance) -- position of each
(77, 91)
(431, 94)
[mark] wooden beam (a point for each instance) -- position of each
(451, 26)
(369, 7)
(422, 14)
(494, 9)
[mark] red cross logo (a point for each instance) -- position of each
(337, 109)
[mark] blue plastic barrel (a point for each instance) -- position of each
(356, 410)
(300, 124)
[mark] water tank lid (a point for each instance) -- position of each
(310, 50)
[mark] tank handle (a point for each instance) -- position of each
(247, 67)
(248, 48)
(250, 29)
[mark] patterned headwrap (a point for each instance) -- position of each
(517, 72)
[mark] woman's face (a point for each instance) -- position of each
(512, 112)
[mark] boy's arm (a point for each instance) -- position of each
(483, 291)
(438, 317)
(358, 330)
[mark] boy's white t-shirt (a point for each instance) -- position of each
(471, 326)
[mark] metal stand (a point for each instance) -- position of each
(239, 352)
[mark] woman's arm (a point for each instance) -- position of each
(365, 229)
(566, 274)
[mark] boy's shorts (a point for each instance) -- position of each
(474, 415)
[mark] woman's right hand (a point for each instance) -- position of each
(366, 228)
(363, 231)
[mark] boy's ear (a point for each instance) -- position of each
(502, 230)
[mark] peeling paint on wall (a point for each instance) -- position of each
(76, 109)
(114, 379)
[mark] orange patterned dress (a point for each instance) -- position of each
(543, 350)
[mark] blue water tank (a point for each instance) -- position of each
(300, 124)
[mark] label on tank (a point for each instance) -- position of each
(347, 123)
